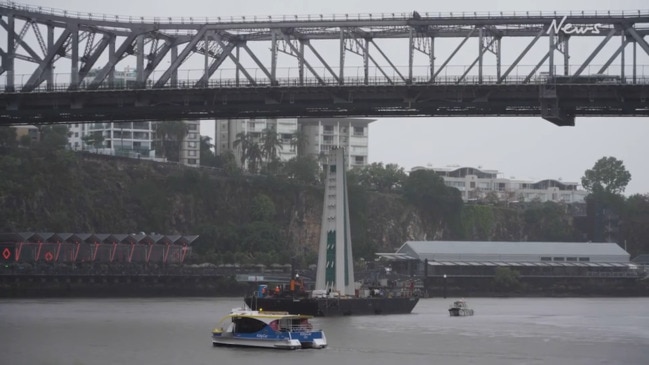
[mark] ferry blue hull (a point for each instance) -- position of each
(332, 307)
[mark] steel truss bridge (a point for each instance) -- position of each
(63, 66)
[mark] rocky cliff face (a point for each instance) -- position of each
(88, 193)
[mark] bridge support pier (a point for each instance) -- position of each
(551, 109)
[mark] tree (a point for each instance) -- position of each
(227, 162)
(255, 157)
(381, 178)
(635, 224)
(8, 137)
(263, 208)
(299, 142)
(608, 175)
(506, 279)
(303, 169)
(170, 135)
(427, 190)
(271, 142)
(207, 156)
(54, 136)
(243, 143)
(95, 139)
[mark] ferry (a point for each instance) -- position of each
(258, 328)
(459, 308)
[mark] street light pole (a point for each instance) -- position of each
(444, 286)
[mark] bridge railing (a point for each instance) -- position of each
(320, 17)
(226, 79)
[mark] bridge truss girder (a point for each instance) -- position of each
(35, 42)
(564, 103)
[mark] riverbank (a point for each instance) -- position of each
(228, 287)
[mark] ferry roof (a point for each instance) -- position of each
(265, 316)
(274, 315)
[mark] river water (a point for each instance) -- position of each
(177, 331)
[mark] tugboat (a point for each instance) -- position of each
(335, 293)
(459, 309)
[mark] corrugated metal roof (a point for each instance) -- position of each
(527, 264)
(566, 249)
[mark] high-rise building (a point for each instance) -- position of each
(190, 149)
(132, 139)
(320, 136)
(227, 132)
(325, 134)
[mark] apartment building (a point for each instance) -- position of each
(478, 183)
(127, 139)
(321, 135)
(132, 139)
(227, 132)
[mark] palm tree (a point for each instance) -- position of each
(255, 157)
(244, 142)
(299, 141)
(170, 135)
(270, 143)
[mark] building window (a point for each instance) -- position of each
(191, 153)
(191, 136)
(191, 144)
(191, 161)
(359, 160)
(192, 127)
(359, 131)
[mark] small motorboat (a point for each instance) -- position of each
(459, 309)
(279, 330)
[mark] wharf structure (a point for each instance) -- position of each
(480, 258)
(474, 266)
(77, 248)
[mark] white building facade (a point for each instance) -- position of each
(321, 135)
(131, 139)
(478, 184)
(127, 139)
(352, 134)
(227, 133)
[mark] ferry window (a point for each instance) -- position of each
(571, 259)
(584, 259)
(558, 259)
(248, 325)
(546, 258)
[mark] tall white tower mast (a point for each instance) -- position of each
(335, 261)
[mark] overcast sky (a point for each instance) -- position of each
(518, 147)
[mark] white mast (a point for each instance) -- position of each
(335, 261)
